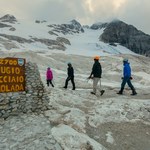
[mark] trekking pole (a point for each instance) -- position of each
(100, 85)
(87, 79)
(53, 82)
(101, 91)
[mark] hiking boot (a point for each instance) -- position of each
(120, 93)
(134, 93)
(73, 88)
(65, 87)
(102, 92)
(93, 93)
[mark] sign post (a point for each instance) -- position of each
(12, 75)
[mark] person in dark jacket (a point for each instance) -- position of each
(70, 72)
(127, 78)
(96, 75)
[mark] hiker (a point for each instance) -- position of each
(70, 72)
(127, 78)
(96, 75)
(49, 77)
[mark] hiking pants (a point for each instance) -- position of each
(95, 84)
(50, 82)
(72, 81)
(128, 81)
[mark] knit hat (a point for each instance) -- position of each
(125, 60)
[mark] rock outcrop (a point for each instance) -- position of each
(59, 43)
(63, 40)
(8, 44)
(34, 99)
(97, 26)
(2, 25)
(53, 44)
(12, 29)
(8, 18)
(70, 28)
(128, 36)
(16, 38)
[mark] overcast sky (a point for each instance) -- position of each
(135, 12)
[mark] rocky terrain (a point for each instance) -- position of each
(78, 120)
(127, 35)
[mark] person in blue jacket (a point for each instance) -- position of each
(127, 78)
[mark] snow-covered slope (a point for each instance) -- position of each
(88, 44)
(78, 119)
(69, 38)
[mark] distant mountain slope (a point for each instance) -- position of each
(71, 37)
(128, 36)
(38, 34)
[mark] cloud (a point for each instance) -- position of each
(134, 12)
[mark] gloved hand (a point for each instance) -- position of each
(123, 78)
(89, 77)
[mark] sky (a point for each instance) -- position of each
(87, 12)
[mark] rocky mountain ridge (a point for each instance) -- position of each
(55, 36)
(8, 18)
(126, 35)
(9, 40)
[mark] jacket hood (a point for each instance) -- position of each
(126, 63)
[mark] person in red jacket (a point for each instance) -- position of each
(49, 76)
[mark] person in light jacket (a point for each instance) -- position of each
(49, 77)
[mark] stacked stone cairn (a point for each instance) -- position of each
(33, 100)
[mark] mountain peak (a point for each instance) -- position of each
(8, 18)
(75, 23)
(127, 35)
(99, 25)
(116, 20)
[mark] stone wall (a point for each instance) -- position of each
(34, 99)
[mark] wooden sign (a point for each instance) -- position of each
(12, 75)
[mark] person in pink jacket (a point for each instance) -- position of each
(49, 76)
